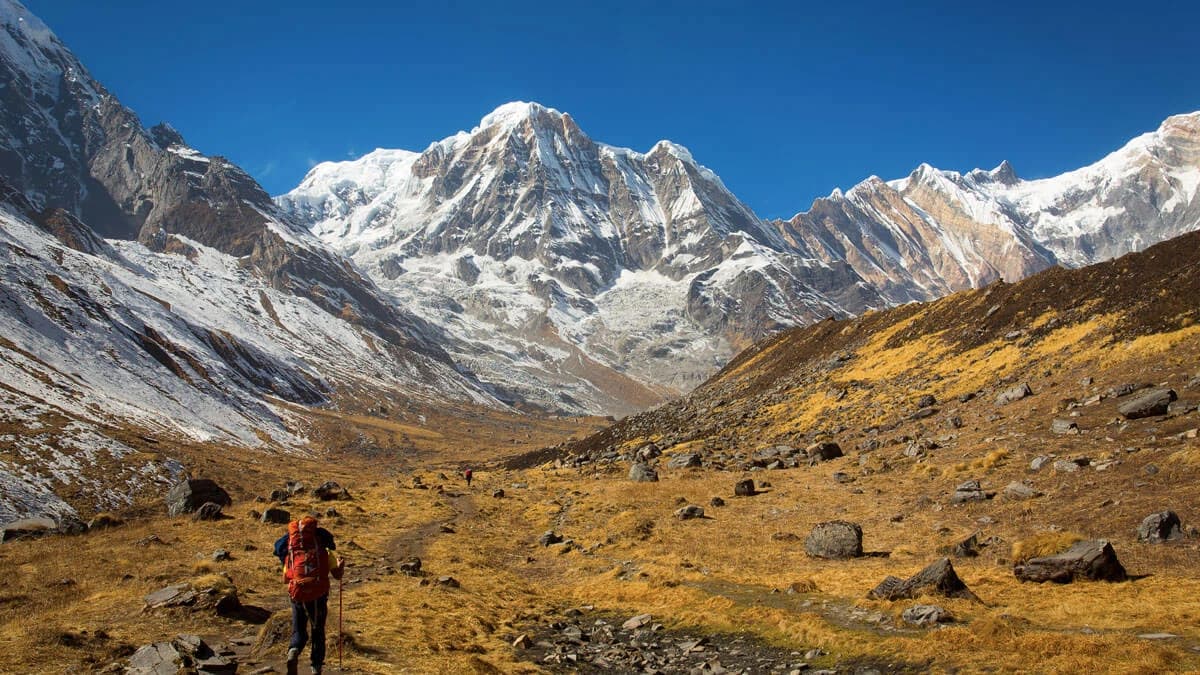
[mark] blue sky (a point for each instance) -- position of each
(785, 101)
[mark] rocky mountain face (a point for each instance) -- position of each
(936, 232)
(204, 317)
(586, 277)
(574, 274)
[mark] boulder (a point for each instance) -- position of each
(636, 622)
(716, 502)
(1014, 393)
(208, 511)
(967, 548)
(642, 473)
(647, 452)
(926, 401)
(275, 516)
(1018, 490)
(1088, 560)
(744, 488)
(1038, 462)
(498, 493)
(177, 595)
(685, 460)
(1159, 527)
(823, 451)
(925, 615)
(689, 512)
(834, 539)
(28, 528)
(1152, 403)
(550, 537)
(184, 654)
(411, 566)
(936, 579)
(970, 491)
(191, 494)
(329, 491)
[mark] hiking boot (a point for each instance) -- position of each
(293, 660)
(316, 670)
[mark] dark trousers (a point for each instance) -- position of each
(307, 613)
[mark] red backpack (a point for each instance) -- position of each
(307, 566)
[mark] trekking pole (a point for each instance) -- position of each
(341, 636)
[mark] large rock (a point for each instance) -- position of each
(1091, 560)
(936, 579)
(1018, 490)
(28, 528)
(744, 488)
(184, 654)
(1153, 402)
(970, 491)
(208, 511)
(329, 491)
(685, 460)
(274, 516)
(823, 451)
(1159, 527)
(1065, 427)
(641, 472)
(834, 539)
(191, 494)
(1014, 393)
(925, 615)
(689, 512)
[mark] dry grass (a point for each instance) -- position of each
(1043, 544)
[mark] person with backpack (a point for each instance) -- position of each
(467, 475)
(304, 552)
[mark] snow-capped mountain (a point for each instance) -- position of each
(588, 277)
(936, 232)
(570, 273)
(205, 318)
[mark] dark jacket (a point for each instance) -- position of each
(324, 538)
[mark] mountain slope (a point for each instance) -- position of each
(593, 273)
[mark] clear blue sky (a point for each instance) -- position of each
(784, 100)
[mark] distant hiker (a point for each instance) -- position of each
(467, 475)
(304, 552)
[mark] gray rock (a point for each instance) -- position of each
(189, 495)
(1014, 393)
(744, 488)
(835, 539)
(330, 490)
(184, 654)
(1090, 560)
(1121, 390)
(926, 615)
(1150, 404)
(685, 460)
(823, 451)
(647, 452)
(177, 595)
(28, 528)
(1193, 383)
(411, 566)
(938, 578)
(689, 512)
(637, 622)
(1018, 490)
(926, 401)
(208, 511)
(1067, 427)
(275, 516)
(1159, 527)
(970, 491)
(550, 537)
(1065, 466)
(716, 502)
(642, 473)
(1038, 462)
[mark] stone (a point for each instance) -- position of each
(1087, 560)
(189, 495)
(498, 493)
(926, 401)
(716, 502)
(1150, 404)
(1193, 383)
(925, 615)
(208, 511)
(924, 413)
(1018, 490)
(642, 473)
(1065, 427)
(836, 539)
(1159, 527)
(411, 566)
(744, 488)
(1014, 393)
(550, 537)
(522, 642)
(637, 622)
(294, 487)
(685, 460)
(938, 578)
(221, 555)
(647, 452)
(280, 495)
(28, 528)
(967, 548)
(970, 491)
(1121, 390)
(177, 595)
(274, 516)
(103, 521)
(689, 512)
(1065, 466)
(823, 451)
(184, 654)
(448, 582)
(329, 491)
(1038, 462)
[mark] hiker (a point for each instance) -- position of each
(304, 552)
(467, 475)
